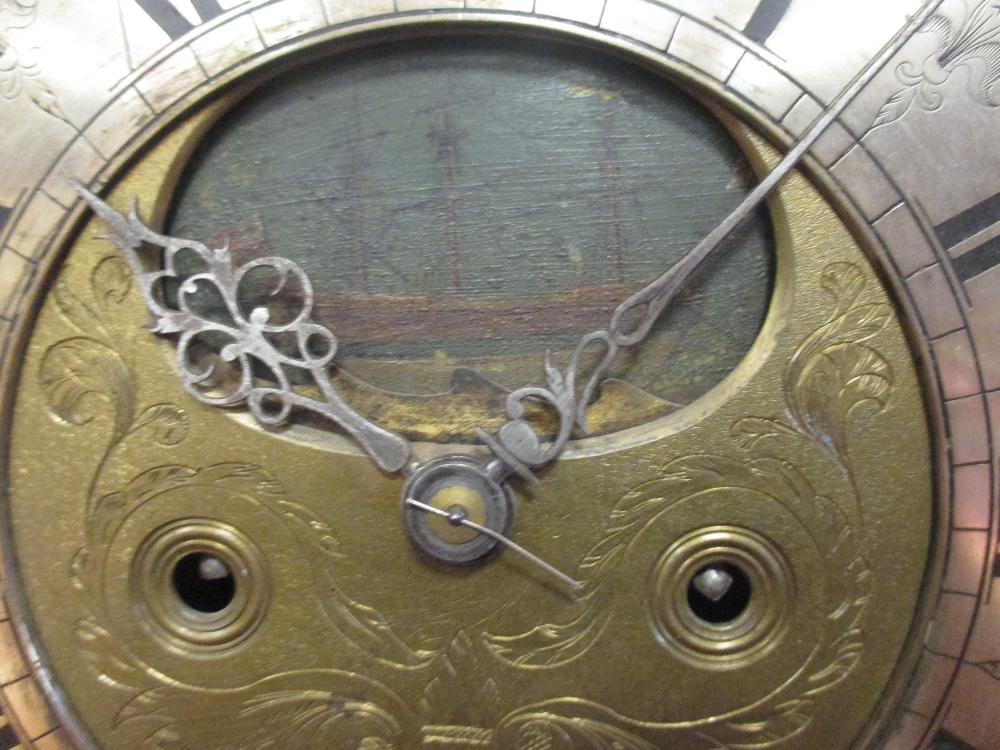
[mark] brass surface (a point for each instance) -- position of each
(464, 500)
(158, 604)
(745, 638)
(817, 444)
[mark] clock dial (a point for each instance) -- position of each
(799, 556)
(773, 479)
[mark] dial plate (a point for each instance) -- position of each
(787, 456)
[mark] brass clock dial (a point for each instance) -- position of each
(772, 524)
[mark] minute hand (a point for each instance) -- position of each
(659, 292)
(516, 444)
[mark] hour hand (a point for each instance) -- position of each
(261, 344)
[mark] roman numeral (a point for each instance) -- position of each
(172, 22)
(945, 740)
(966, 224)
(8, 740)
(765, 20)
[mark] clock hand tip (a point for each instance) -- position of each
(127, 233)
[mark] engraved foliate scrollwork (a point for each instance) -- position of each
(835, 371)
(83, 375)
(77, 371)
(89, 378)
(300, 708)
(972, 43)
(19, 72)
(553, 644)
(555, 731)
(458, 695)
(575, 723)
(336, 709)
(365, 627)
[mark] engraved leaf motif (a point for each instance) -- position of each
(972, 44)
(833, 371)
(76, 312)
(111, 280)
(845, 282)
(112, 509)
(895, 107)
(106, 655)
(754, 433)
(305, 719)
(790, 710)
(641, 505)
(169, 423)
(44, 98)
(986, 56)
(459, 695)
(362, 624)
(847, 599)
(290, 719)
(300, 710)
(764, 727)
(551, 731)
(77, 372)
(835, 383)
(943, 27)
(552, 645)
(18, 73)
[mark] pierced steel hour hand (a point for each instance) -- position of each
(246, 339)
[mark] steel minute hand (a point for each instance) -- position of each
(248, 336)
(517, 444)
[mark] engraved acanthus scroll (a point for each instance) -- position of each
(972, 43)
(19, 71)
(835, 371)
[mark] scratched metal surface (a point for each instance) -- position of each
(464, 203)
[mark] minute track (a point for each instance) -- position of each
(895, 187)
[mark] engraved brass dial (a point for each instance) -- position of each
(777, 472)
(798, 557)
